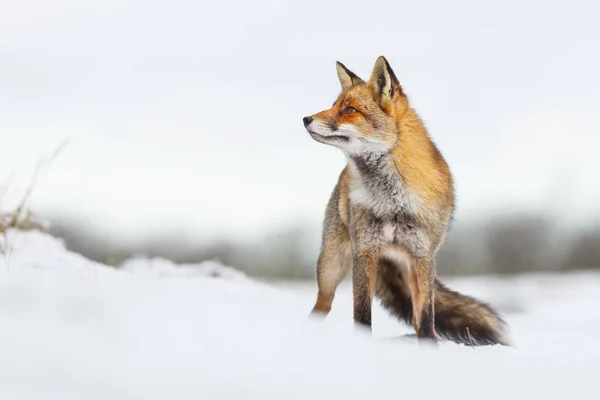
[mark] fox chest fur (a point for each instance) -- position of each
(383, 214)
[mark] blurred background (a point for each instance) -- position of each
(184, 139)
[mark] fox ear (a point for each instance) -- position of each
(383, 81)
(347, 77)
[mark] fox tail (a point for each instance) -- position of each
(459, 318)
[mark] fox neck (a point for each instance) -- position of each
(401, 179)
(377, 185)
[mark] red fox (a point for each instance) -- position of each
(389, 214)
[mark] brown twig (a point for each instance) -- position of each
(16, 215)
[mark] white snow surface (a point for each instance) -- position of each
(71, 328)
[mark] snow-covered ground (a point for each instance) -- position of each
(75, 329)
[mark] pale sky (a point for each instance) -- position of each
(188, 114)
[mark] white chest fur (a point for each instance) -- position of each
(383, 193)
(389, 230)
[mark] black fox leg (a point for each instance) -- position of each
(422, 276)
(363, 285)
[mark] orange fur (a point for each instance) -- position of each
(344, 201)
(420, 163)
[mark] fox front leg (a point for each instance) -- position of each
(333, 266)
(363, 286)
(331, 270)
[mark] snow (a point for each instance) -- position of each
(71, 328)
(160, 267)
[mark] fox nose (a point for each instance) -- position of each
(307, 120)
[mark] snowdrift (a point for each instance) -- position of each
(71, 328)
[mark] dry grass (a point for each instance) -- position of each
(22, 218)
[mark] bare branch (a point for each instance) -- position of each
(17, 214)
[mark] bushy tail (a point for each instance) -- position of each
(459, 318)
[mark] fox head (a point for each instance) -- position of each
(363, 119)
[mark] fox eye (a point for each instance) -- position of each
(349, 110)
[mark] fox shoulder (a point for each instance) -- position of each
(420, 162)
(344, 195)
